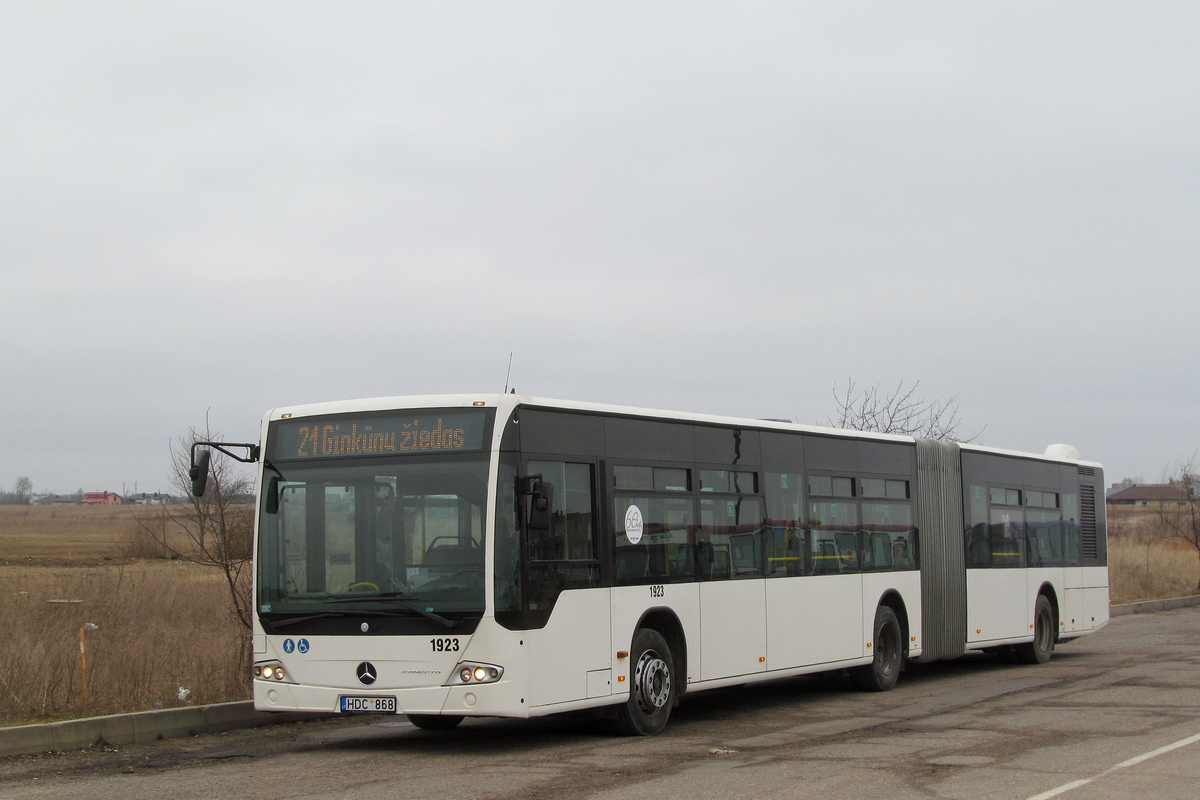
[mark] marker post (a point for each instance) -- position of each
(87, 626)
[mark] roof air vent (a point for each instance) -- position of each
(1065, 452)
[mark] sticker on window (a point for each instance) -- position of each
(633, 524)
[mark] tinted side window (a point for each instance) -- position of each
(978, 548)
(571, 536)
(1006, 534)
(729, 539)
(655, 538)
(563, 556)
(1045, 533)
(785, 536)
(507, 578)
(889, 538)
(833, 537)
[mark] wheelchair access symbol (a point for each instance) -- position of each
(302, 646)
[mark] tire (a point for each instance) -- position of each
(1038, 651)
(888, 655)
(435, 722)
(652, 687)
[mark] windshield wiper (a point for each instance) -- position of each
(284, 623)
(404, 599)
(348, 598)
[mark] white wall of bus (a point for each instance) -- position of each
(736, 631)
(1001, 602)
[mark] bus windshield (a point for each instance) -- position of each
(372, 533)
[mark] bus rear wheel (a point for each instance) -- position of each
(435, 722)
(652, 689)
(888, 655)
(1038, 651)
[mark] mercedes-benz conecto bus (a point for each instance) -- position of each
(453, 556)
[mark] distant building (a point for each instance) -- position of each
(57, 500)
(1169, 494)
(1116, 487)
(102, 499)
(151, 499)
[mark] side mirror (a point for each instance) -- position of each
(541, 503)
(199, 471)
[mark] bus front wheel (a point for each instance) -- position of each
(652, 689)
(887, 656)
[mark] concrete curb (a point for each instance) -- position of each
(142, 726)
(1154, 605)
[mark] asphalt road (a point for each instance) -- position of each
(1114, 715)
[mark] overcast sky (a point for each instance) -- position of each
(225, 207)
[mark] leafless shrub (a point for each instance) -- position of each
(147, 536)
(1180, 520)
(218, 527)
(901, 411)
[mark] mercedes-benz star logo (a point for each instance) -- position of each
(366, 673)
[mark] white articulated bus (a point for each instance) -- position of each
(500, 555)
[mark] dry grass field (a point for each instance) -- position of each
(1142, 563)
(77, 535)
(163, 626)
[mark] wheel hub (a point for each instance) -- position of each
(652, 682)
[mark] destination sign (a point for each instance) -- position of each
(394, 434)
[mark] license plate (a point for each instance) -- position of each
(379, 705)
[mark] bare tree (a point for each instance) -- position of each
(902, 411)
(218, 527)
(1180, 518)
(23, 489)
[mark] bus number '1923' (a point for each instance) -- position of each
(657, 591)
(444, 645)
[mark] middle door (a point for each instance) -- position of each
(733, 620)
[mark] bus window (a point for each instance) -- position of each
(292, 519)
(728, 481)
(785, 545)
(887, 535)
(729, 536)
(507, 576)
(880, 488)
(571, 536)
(876, 550)
(979, 547)
(1044, 530)
(564, 555)
(833, 531)
(1006, 537)
(784, 550)
(664, 549)
(904, 549)
(357, 530)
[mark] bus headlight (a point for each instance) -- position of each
(471, 673)
(269, 671)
